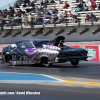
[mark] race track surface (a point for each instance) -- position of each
(59, 82)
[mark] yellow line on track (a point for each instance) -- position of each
(80, 82)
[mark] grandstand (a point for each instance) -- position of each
(50, 18)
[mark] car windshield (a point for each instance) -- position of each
(39, 44)
(25, 44)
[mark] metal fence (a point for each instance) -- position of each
(30, 22)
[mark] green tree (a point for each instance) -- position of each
(19, 2)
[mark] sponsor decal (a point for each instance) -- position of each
(93, 52)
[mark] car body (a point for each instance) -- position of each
(42, 51)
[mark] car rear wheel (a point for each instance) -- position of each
(75, 62)
(48, 65)
(44, 62)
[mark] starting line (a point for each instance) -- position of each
(13, 76)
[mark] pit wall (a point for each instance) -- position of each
(79, 34)
(93, 52)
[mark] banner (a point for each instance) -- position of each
(93, 52)
(1, 48)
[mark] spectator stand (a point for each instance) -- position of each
(60, 11)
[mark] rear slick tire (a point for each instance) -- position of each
(74, 62)
(45, 65)
(44, 62)
(48, 65)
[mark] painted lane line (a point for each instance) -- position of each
(80, 82)
(11, 76)
(52, 77)
(7, 76)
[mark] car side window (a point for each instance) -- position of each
(25, 45)
(39, 44)
(29, 45)
(19, 44)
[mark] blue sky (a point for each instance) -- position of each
(5, 2)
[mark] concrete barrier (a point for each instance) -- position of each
(72, 32)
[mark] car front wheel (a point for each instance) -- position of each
(74, 62)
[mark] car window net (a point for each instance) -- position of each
(39, 44)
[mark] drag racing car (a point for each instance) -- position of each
(42, 51)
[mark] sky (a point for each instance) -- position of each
(5, 2)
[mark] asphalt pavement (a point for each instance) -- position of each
(59, 82)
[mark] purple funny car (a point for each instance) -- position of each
(42, 51)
